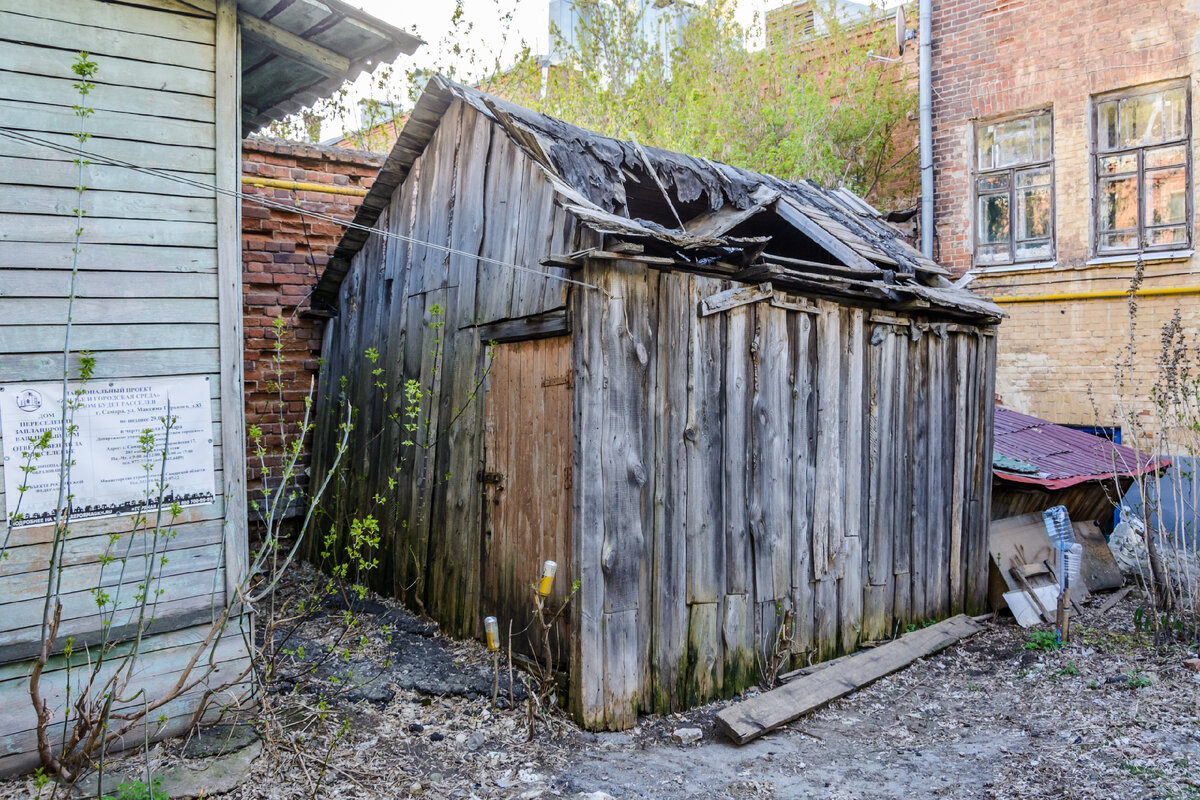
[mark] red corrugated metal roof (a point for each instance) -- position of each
(1063, 456)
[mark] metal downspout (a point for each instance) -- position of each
(925, 11)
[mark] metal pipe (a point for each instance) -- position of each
(300, 186)
(1173, 291)
(924, 78)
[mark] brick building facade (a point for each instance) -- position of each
(283, 255)
(1063, 149)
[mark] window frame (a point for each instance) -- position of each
(1011, 171)
(1139, 152)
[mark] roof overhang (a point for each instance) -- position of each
(862, 257)
(296, 52)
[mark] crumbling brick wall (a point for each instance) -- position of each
(283, 255)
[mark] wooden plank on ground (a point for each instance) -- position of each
(763, 713)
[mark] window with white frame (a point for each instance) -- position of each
(1142, 170)
(1014, 190)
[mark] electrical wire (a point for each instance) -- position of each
(77, 152)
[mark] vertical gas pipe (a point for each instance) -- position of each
(925, 75)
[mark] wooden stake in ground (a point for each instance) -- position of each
(495, 677)
(512, 695)
(1062, 619)
(752, 718)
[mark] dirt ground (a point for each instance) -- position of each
(1107, 716)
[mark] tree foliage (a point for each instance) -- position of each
(812, 105)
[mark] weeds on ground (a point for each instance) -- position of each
(137, 790)
(1137, 680)
(1042, 640)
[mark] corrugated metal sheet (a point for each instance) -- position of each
(1062, 456)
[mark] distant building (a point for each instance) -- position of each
(790, 22)
(1063, 146)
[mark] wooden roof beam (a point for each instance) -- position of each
(791, 212)
(290, 45)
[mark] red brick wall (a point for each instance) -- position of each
(995, 58)
(283, 255)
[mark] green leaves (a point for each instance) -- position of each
(814, 106)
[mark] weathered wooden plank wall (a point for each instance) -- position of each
(150, 290)
(422, 308)
(782, 455)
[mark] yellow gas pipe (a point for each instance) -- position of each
(300, 186)
(1061, 296)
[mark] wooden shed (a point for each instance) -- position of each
(716, 397)
(158, 303)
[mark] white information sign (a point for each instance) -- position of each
(114, 423)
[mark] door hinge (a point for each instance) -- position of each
(490, 477)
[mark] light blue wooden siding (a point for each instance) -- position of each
(147, 295)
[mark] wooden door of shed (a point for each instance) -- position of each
(527, 486)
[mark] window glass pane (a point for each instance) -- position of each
(1121, 240)
(1108, 133)
(1141, 120)
(1177, 234)
(1042, 146)
(1118, 204)
(992, 254)
(990, 183)
(1013, 142)
(1033, 213)
(1174, 113)
(1031, 250)
(1166, 156)
(1166, 196)
(1114, 164)
(984, 141)
(993, 218)
(1034, 177)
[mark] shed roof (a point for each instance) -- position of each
(1035, 451)
(295, 52)
(747, 225)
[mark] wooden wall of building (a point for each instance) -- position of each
(788, 454)
(421, 309)
(791, 454)
(155, 296)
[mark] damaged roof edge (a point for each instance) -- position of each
(589, 172)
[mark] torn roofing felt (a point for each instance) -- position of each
(693, 210)
(1034, 451)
